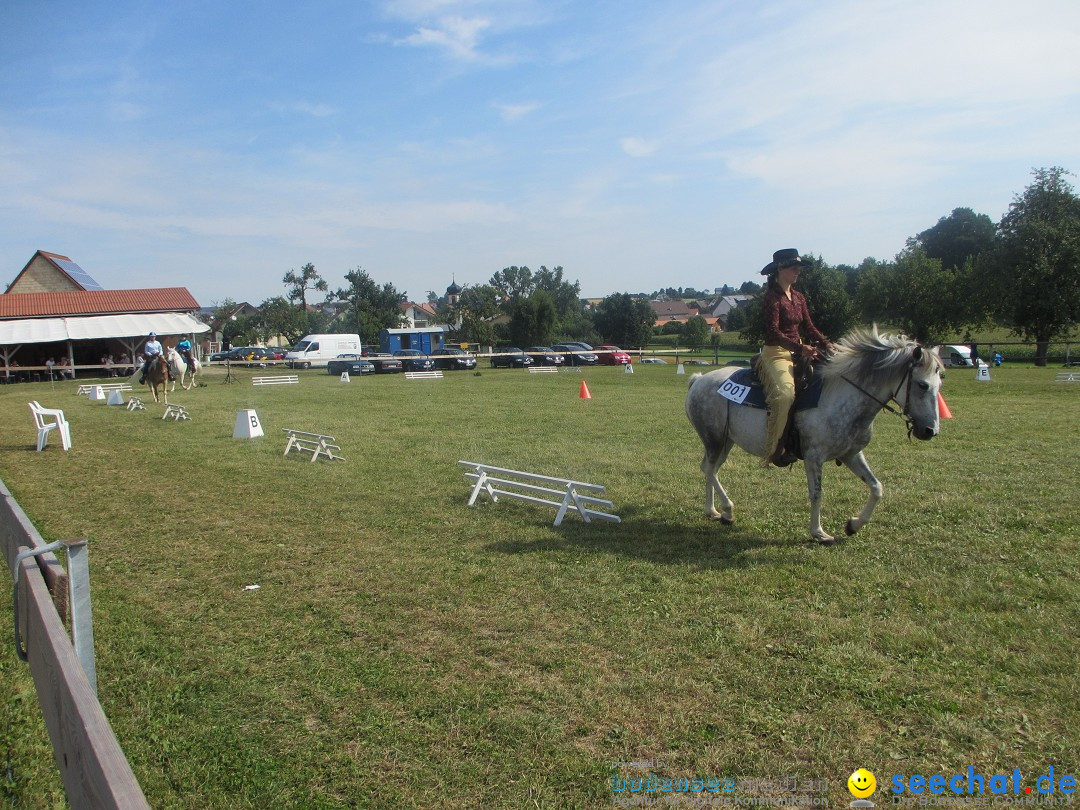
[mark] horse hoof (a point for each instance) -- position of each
(825, 540)
(720, 518)
(849, 529)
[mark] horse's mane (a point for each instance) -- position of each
(866, 356)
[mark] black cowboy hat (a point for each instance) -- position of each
(785, 257)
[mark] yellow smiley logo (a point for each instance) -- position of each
(861, 783)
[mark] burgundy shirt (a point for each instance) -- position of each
(788, 321)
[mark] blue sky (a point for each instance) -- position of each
(217, 145)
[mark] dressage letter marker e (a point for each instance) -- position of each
(247, 426)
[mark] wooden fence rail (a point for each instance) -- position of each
(95, 772)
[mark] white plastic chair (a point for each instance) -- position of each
(49, 419)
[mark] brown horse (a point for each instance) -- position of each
(157, 376)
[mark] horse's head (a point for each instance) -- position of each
(919, 397)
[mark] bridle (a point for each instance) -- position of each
(905, 382)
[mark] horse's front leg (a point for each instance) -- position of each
(813, 467)
(857, 464)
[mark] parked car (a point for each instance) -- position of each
(451, 359)
(384, 363)
(414, 360)
(544, 356)
(247, 355)
(511, 357)
(351, 363)
(657, 360)
(577, 354)
(612, 355)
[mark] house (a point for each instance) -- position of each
(724, 306)
(86, 325)
(51, 272)
(668, 311)
(417, 316)
(55, 309)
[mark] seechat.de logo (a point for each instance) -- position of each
(862, 784)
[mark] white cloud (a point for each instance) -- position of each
(638, 147)
(313, 109)
(458, 36)
(513, 112)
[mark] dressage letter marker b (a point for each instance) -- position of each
(247, 426)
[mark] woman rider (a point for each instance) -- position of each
(787, 323)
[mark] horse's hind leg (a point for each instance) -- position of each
(857, 464)
(715, 455)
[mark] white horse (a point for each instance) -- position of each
(180, 369)
(867, 371)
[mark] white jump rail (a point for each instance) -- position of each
(525, 486)
(175, 412)
(423, 375)
(1068, 376)
(281, 379)
(135, 404)
(85, 389)
(543, 369)
(318, 444)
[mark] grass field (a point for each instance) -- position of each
(404, 651)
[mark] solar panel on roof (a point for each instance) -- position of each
(78, 275)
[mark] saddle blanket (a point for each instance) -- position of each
(744, 388)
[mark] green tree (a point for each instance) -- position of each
(696, 333)
(624, 320)
(282, 318)
(914, 293)
(827, 297)
(961, 236)
(566, 295)
(513, 284)
(532, 320)
(1036, 269)
(476, 311)
(371, 308)
(298, 284)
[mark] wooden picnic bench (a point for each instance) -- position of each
(423, 375)
(318, 444)
(543, 489)
(281, 379)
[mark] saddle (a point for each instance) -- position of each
(745, 388)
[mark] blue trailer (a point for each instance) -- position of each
(425, 340)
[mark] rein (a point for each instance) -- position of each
(903, 412)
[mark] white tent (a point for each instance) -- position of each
(91, 327)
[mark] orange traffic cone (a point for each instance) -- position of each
(584, 392)
(943, 411)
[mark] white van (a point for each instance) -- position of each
(315, 351)
(956, 356)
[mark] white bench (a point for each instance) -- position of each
(85, 389)
(1068, 376)
(318, 444)
(283, 379)
(48, 420)
(543, 369)
(135, 404)
(423, 375)
(524, 486)
(175, 412)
